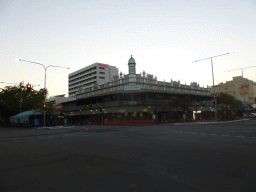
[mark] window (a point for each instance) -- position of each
(102, 77)
(102, 68)
(102, 72)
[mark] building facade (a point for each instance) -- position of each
(235, 88)
(88, 76)
(135, 96)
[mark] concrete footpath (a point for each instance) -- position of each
(13, 132)
(210, 122)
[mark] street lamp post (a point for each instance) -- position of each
(45, 68)
(215, 105)
(245, 110)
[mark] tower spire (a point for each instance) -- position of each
(132, 65)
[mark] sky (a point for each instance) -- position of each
(164, 37)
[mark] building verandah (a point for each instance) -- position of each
(134, 106)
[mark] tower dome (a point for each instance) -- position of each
(132, 65)
(131, 60)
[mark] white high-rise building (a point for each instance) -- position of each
(86, 77)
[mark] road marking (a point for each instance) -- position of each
(247, 131)
(253, 137)
(240, 136)
(213, 134)
(186, 132)
(232, 131)
(225, 135)
(3, 143)
(16, 141)
(2, 139)
(193, 133)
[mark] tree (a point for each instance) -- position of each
(183, 102)
(230, 102)
(10, 98)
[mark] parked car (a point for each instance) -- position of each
(254, 114)
(249, 115)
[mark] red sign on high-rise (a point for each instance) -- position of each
(102, 65)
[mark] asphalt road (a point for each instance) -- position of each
(211, 157)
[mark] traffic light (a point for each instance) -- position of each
(163, 107)
(213, 101)
(44, 106)
(28, 88)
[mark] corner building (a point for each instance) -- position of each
(135, 96)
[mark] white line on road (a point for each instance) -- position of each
(17, 141)
(193, 133)
(3, 143)
(186, 132)
(213, 134)
(232, 131)
(240, 136)
(247, 131)
(225, 135)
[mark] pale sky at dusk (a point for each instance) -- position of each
(164, 37)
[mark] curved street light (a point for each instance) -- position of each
(215, 105)
(45, 68)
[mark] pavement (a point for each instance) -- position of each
(210, 122)
(12, 132)
(7, 132)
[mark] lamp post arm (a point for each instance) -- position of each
(45, 68)
(32, 62)
(240, 69)
(211, 57)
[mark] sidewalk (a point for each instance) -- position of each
(56, 127)
(20, 132)
(210, 122)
